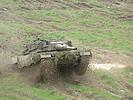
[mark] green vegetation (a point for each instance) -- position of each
(7, 3)
(107, 78)
(28, 39)
(127, 22)
(44, 15)
(95, 2)
(108, 33)
(127, 74)
(9, 29)
(92, 93)
(103, 39)
(108, 10)
(51, 36)
(13, 89)
(61, 25)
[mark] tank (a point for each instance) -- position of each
(54, 56)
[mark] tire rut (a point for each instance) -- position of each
(70, 93)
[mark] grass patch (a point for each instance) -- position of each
(108, 79)
(95, 2)
(9, 29)
(55, 35)
(72, 15)
(124, 76)
(28, 39)
(61, 25)
(33, 15)
(19, 12)
(44, 15)
(111, 11)
(103, 39)
(92, 93)
(88, 22)
(48, 13)
(78, 25)
(127, 23)
(128, 74)
(10, 96)
(81, 14)
(6, 3)
(17, 90)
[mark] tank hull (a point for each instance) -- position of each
(75, 60)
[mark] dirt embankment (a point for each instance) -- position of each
(105, 59)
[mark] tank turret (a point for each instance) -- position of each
(40, 45)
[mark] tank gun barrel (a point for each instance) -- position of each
(71, 48)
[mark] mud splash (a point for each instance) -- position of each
(106, 66)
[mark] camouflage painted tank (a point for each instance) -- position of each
(54, 55)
